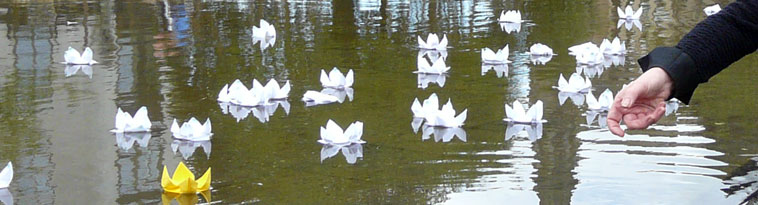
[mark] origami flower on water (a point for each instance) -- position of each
(438, 67)
(445, 117)
(511, 16)
(586, 54)
(672, 106)
(317, 98)
(501, 70)
(72, 57)
(429, 107)
(126, 123)
(629, 13)
(6, 176)
(539, 49)
(277, 93)
(332, 134)
(335, 79)
(238, 94)
(265, 30)
(183, 181)
(73, 69)
(443, 134)
(713, 9)
(517, 113)
(575, 84)
(533, 131)
(433, 42)
(602, 103)
(613, 48)
(351, 152)
(192, 130)
(499, 57)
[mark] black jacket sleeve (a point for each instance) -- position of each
(711, 46)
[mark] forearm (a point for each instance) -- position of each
(711, 46)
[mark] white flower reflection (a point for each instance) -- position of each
(126, 141)
(425, 79)
(73, 69)
(262, 113)
(601, 117)
(501, 70)
(351, 152)
(444, 134)
(532, 131)
(576, 98)
(629, 24)
(187, 148)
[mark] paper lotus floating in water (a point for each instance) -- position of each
(433, 42)
(511, 16)
(6, 176)
(517, 113)
(443, 134)
(499, 57)
(629, 13)
(425, 79)
(437, 118)
(672, 106)
(438, 67)
(433, 55)
(126, 140)
(126, 123)
(72, 57)
(533, 131)
(713, 9)
(501, 70)
(327, 95)
(601, 117)
(510, 27)
(333, 134)
(264, 42)
(629, 24)
(616, 47)
(335, 79)
(575, 84)
(183, 181)
(192, 130)
(602, 103)
(73, 69)
(187, 148)
(539, 49)
(587, 54)
(351, 152)
(238, 94)
(265, 30)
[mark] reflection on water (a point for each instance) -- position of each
(173, 55)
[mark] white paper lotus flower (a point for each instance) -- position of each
(332, 134)
(444, 117)
(351, 152)
(443, 134)
(629, 24)
(425, 79)
(73, 69)
(601, 116)
(533, 131)
(429, 107)
(238, 94)
(499, 57)
(539, 49)
(341, 94)
(265, 30)
(511, 16)
(187, 148)
(629, 13)
(613, 48)
(575, 84)
(126, 123)
(510, 27)
(264, 42)
(317, 98)
(6, 176)
(576, 98)
(126, 140)
(72, 57)
(587, 53)
(433, 42)
(501, 70)
(672, 106)
(602, 103)
(438, 67)
(192, 130)
(713, 9)
(433, 55)
(335, 79)
(278, 93)
(517, 113)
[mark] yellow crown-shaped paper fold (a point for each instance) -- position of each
(183, 181)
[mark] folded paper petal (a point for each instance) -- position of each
(183, 181)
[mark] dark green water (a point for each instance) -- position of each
(175, 56)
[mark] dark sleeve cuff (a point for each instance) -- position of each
(679, 66)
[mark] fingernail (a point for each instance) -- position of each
(625, 102)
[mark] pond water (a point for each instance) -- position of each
(174, 56)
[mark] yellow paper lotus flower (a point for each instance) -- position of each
(184, 181)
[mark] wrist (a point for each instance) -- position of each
(662, 79)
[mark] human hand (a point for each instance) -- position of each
(642, 102)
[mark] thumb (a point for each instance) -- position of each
(629, 94)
